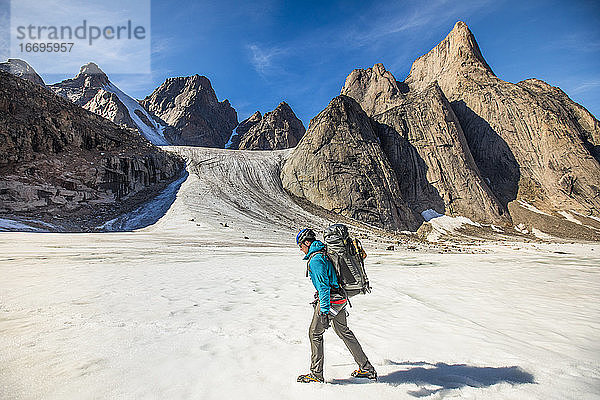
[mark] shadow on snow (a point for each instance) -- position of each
(441, 376)
(148, 213)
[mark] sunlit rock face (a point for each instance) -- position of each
(425, 145)
(276, 130)
(92, 90)
(339, 165)
(191, 112)
(530, 141)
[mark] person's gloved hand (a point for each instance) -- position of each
(324, 319)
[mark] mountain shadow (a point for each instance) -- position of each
(411, 170)
(148, 213)
(494, 158)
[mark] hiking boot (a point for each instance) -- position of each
(369, 374)
(308, 378)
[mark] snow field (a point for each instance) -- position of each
(178, 318)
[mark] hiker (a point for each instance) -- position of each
(330, 308)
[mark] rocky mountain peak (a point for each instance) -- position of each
(254, 117)
(519, 135)
(283, 107)
(192, 82)
(84, 86)
(92, 90)
(277, 129)
(92, 74)
(90, 68)
(375, 89)
(457, 53)
(21, 69)
(192, 112)
(198, 80)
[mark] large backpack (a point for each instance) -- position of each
(347, 256)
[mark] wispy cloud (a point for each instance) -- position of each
(263, 58)
(165, 46)
(585, 86)
(377, 25)
(579, 42)
(411, 17)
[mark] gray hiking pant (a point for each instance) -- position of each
(339, 323)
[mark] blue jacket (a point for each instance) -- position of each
(321, 274)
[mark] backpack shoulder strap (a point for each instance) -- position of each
(324, 252)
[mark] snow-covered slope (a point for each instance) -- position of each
(211, 302)
(149, 128)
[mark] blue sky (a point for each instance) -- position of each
(260, 53)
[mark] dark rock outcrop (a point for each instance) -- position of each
(339, 166)
(189, 107)
(21, 69)
(70, 167)
(426, 146)
(276, 130)
(242, 129)
(529, 140)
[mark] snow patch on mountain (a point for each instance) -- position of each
(587, 216)
(570, 217)
(531, 207)
(446, 225)
(154, 132)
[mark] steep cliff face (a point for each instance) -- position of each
(70, 167)
(455, 57)
(339, 165)
(529, 140)
(92, 90)
(585, 124)
(276, 130)
(192, 113)
(426, 146)
(21, 69)
(426, 120)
